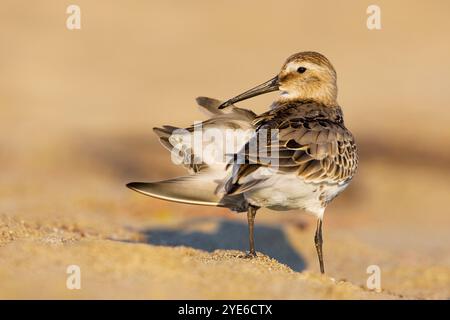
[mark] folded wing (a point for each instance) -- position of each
(315, 149)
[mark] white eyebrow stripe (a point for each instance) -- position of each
(293, 66)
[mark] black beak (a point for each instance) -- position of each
(268, 86)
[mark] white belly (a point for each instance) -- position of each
(288, 191)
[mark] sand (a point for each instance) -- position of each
(132, 247)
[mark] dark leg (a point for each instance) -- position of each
(318, 240)
(251, 213)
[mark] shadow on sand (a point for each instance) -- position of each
(231, 235)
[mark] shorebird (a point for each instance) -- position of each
(309, 159)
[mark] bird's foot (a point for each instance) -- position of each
(249, 255)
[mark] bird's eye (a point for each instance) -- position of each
(301, 69)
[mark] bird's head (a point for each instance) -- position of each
(304, 76)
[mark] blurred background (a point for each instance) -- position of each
(77, 108)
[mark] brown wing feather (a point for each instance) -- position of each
(312, 142)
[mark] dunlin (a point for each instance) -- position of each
(309, 158)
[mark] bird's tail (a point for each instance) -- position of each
(195, 189)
